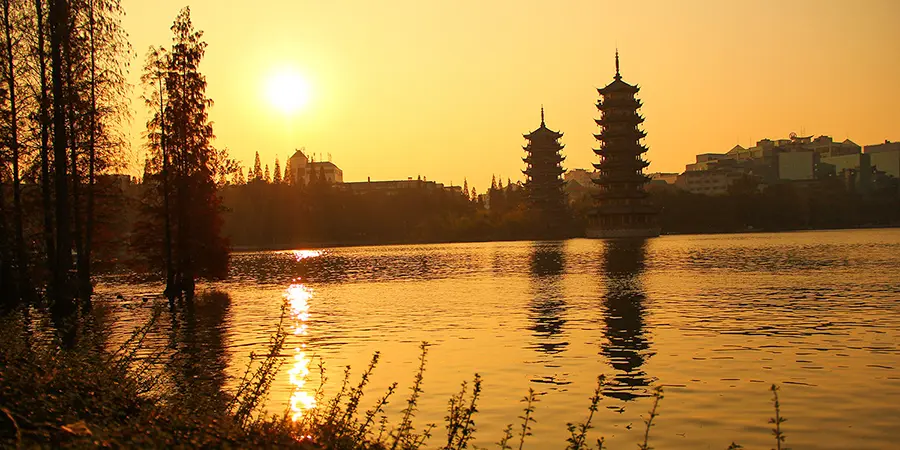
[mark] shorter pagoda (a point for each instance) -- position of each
(622, 208)
(543, 177)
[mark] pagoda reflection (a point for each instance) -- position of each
(627, 345)
(548, 305)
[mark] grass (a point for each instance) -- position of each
(89, 396)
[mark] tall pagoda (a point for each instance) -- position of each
(622, 208)
(543, 172)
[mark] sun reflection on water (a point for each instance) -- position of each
(303, 254)
(298, 296)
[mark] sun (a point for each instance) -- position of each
(288, 91)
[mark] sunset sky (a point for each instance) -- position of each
(446, 89)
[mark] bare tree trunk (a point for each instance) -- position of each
(77, 219)
(21, 256)
(63, 304)
(86, 288)
(171, 289)
(76, 190)
(49, 246)
(9, 291)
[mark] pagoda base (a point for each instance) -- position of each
(604, 233)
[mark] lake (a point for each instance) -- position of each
(715, 319)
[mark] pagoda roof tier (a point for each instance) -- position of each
(626, 118)
(618, 86)
(621, 209)
(543, 133)
(626, 133)
(545, 163)
(621, 194)
(629, 150)
(553, 173)
(621, 164)
(612, 103)
(542, 177)
(625, 210)
(621, 178)
(551, 185)
(544, 147)
(553, 158)
(605, 166)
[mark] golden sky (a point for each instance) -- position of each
(445, 89)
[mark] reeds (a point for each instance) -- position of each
(460, 412)
(777, 420)
(254, 385)
(528, 416)
(578, 433)
(404, 437)
(657, 396)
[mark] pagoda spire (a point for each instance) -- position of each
(542, 115)
(618, 77)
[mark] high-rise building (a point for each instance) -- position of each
(622, 207)
(543, 174)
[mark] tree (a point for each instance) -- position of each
(257, 169)
(72, 92)
(11, 138)
(267, 177)
(276, 178)
(198, 250)
(43, 125)
(154, 78)
(61, 294)
(465, 189)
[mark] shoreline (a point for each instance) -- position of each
(345, 244)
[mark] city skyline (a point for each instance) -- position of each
(446, 92)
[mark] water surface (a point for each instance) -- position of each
(716, 319)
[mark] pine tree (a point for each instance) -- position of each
(257, 169)
(287, 172)
(465, 189)
(156, 99)
(267, 177)
(276, 177)
(199, 249)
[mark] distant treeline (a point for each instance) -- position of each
(820, 204)
(278, 215)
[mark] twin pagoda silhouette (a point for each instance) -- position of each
(621, 207)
